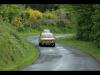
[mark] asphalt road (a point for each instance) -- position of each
(61, 58)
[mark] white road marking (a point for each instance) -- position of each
(62, 49)
(50, 50)
(59, 47)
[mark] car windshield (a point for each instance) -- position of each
(47, 36)
(46, 30)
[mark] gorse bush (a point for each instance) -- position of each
(16, 21)
(33, 14)
(31, 17)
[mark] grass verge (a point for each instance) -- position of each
(27, 60)
(15, 51)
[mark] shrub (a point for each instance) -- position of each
(50, 15)
(33, 15)
(88, 28)
(9, 10)
(84, 21)
(96, 24)
(16, 21)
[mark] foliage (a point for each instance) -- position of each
(50, 15)
(84, 22)
(9, 10)
(24, 18)
(96, 25)
(33, 15)
(43, 7)
(16, 21)
(56, 18)
(14, 49)
(88, 28)
(70, 15)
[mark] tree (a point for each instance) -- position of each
(85, 12)
(96, 24)
(43, 7)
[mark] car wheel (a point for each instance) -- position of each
(40, 44)
(53, 45)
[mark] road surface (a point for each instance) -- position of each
(61, 58)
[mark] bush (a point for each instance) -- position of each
(84, 21)
(55, 17)
(88, 28)
(10, 10)
(16, 21)
(96, 25)
(33, 15)
(50, 15)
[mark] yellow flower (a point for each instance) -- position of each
(16, 21)
(33, 14)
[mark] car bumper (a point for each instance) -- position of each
(47, 43)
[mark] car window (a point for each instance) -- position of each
(46, 30)
(46, 36)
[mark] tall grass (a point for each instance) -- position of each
(15, 51)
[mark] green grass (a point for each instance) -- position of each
(29, 33)
(23, 53)
(87, 47)
(15, 51)
(28, 59)
(22, 56)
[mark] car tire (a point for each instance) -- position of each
(53, 45)
(40, 44)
